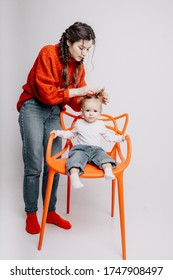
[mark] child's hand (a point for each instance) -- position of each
(55, 132)
(124, 137)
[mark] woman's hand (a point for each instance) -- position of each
(83, 91)
(104, 96)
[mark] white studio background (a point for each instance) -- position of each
(134, 61)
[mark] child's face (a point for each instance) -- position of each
(91, 110)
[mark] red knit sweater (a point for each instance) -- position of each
(45, 81)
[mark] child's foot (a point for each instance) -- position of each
(32, 225)
(75, 181)
(108, 173)
(54, 218)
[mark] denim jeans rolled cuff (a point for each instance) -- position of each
(81, 169)
(108, 160)
(36, 121)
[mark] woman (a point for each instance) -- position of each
(56, 79)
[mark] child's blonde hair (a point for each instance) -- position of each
(97, 96)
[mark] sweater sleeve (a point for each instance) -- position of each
(45, 81)
(48, 88)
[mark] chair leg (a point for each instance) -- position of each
(113, 197)
(122, 214)
(68, 194)
(46, 206)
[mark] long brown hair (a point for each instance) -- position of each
(76, 32)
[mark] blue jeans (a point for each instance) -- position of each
(36, 120)
(80, 155)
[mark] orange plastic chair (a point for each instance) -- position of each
(58, 165)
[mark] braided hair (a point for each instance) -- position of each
(76, 32)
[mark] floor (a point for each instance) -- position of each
(95, 235)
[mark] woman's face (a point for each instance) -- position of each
(79, 49)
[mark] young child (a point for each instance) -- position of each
(88, 132)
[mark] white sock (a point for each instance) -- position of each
(108, 173)
(75, 181)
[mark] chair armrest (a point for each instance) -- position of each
(49, 149)
(116, 150)
(127, 159)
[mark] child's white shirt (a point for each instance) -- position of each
(89, 133)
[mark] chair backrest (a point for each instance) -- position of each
(112, 123)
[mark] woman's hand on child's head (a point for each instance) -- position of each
(81, 92)
(87, 90)
(102, 94)
(105, 98)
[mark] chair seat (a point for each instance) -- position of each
(91, 171)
